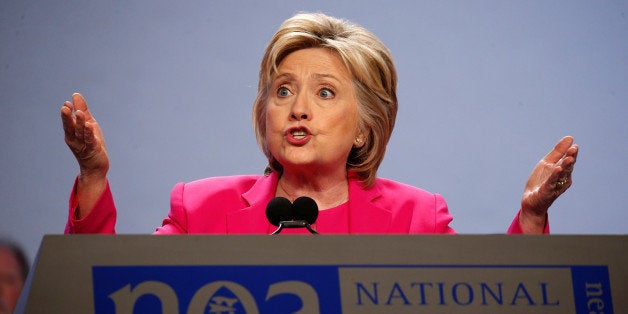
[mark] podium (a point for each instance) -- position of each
(328, 274)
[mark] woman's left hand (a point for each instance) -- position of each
(550, 178)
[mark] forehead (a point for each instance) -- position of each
(319, 62)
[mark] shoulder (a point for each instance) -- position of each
(238, 180)
(218, 185)
(388, 187)
(202, 206)
(414, 210)
(401, 195)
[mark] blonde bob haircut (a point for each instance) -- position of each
(374, 80)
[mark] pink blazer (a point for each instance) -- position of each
(237, 205)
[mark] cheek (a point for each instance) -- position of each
(274, 127)
(348, 122)
(274, 116)
(271, 121)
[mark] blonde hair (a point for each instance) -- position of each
(374, 81)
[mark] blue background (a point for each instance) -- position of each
(485, 89)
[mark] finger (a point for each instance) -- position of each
(554, 177)
(91, 143)
(559, 150)
(566, 169)
(69, 105)
(88, 136)
(79, 128)
(68, 119)
(564, 176)
(569, 160)
(80, 104)
(69, 128)
(573, 151)
(568, 165)
(558, 182)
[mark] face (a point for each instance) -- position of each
(312, 112)
(10, 281)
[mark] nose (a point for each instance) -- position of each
(300, 109)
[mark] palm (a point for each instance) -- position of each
(550, 178)
(84, 137)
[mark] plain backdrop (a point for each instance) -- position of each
(485, 90)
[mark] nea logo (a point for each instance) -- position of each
(214, 289)
(215, 297)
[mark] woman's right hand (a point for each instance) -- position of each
(85, 139)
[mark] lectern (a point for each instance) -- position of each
(328, 274)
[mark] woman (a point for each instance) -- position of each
(324, 113)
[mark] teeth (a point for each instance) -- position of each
(298, 133)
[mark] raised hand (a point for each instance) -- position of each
(85, 139)
(550, 178)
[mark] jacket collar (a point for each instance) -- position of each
(364, 214)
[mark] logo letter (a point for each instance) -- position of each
(125, 298)
(305, 292)
(202, 297)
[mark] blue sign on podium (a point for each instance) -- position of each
(353, 288)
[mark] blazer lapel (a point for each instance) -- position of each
(364, 215)
(252, 217)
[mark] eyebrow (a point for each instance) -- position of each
(324, 75)
(315, 75)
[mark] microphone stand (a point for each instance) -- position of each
(294, 224)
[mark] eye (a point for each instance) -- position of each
(283, 92)
(326, 93)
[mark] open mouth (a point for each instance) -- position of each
(298, 136)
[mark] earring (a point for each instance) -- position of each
(358, 141)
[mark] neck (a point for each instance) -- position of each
(327, 190)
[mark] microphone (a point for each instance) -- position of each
(305, 209)
(278, 209)
(282, 213)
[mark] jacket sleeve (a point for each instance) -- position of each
(176, 222)
(515, 226)
(442, 217)
(430, 215)
(101, 219)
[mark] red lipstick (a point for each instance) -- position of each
(298, 136)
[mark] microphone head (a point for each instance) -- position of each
(278, 209)
(305, 209)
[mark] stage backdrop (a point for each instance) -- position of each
(485, 90)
